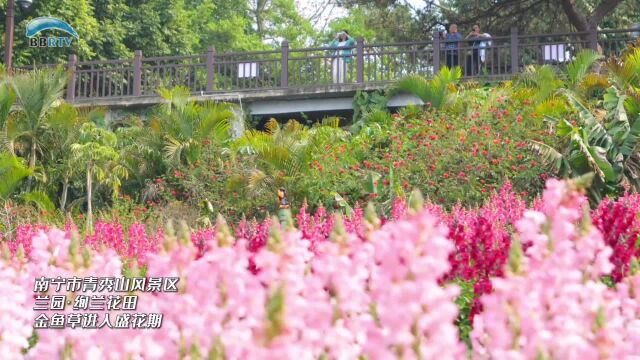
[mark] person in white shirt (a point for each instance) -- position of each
(479, 44)
(342, 57)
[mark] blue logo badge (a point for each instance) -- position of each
(37, 25)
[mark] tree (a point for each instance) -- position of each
(530, 16)
(65, 123)
(37, 93)
(279, 156)
(377, 24)
(96, 154)
(187, 127)
(78, 13)
(584, 22)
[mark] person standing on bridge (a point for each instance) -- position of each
(342, 57)
(451, 42)
(476, 37)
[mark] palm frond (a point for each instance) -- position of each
(39, 199)
(12, 172)
(579, 67)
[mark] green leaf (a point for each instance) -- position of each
(12, 172)
(372, 181)
(39, 199)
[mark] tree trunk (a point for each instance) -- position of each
(65, 190)
(89, 208)
(32, 165)
(32, 155)
(584, 22)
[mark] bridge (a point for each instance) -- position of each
(297, 80)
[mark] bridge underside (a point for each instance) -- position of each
(265, 103)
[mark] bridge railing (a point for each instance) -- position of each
(496, 57)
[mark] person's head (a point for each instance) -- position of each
(476, 28)
(343, 35)
(453, 28)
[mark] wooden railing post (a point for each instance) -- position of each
(71, 85)
(284, 64)
(436, 52)
(593, 38)
(137, 73)
(360, 60)
(210, 70)
(514, 51)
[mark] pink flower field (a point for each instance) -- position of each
(356, 287)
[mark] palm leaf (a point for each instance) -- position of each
(39, 199)
(7, 99)
(579, 67)
(12, 171)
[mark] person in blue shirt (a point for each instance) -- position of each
(451, 42)
(342, 57)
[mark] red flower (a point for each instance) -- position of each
(496, 141)
(462, 174)
(523, 194)
(446, 175)
(519, 118)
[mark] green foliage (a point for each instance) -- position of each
(39, 199)
(449, 157)
(607, 148)
(578, 68)
(437, 91)
(368, 107)
(12, 171)
(37, 93)
(281, 156)
(465, 302)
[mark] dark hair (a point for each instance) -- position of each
(345, 31)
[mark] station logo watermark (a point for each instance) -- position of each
(36, 26)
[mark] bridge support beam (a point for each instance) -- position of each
(137, 73)
(210, 68)
(515, 57)
(71, 85)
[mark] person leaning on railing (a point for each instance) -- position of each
(342, 57)
(476, 36)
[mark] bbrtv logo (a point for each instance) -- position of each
(38, 25)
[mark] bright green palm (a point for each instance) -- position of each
(12, 172)
(280, 155)
(188, 126)
(37, 93)
(437, 91)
